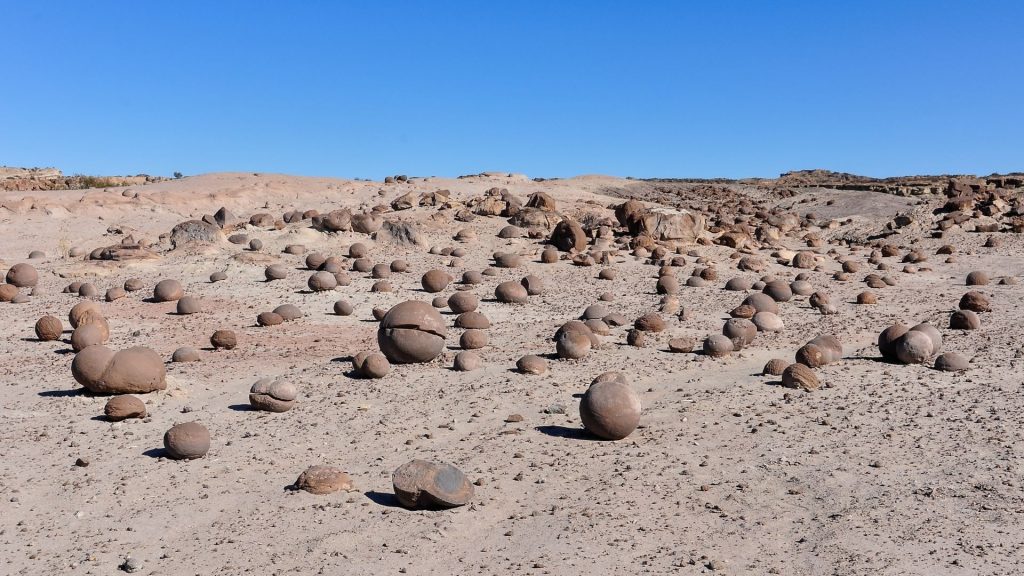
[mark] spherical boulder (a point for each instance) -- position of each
(762, 302)
(224, 340)
(867, 298)
(778, 290)
(610, 408)
(768, 322)
(977, 278)
(343, 308)
(463, 302)
(887, 340)
(718, 345)
(134, 285)
(186, 354)
(775, 367)
(952, 362)
(964, 320)
(189, 305)
(48, 328)
(467, 361)
(88, 290)
(473, 339)
(914, 347)
(681, 345)
(81, 310)
(472, 320)
(358, 250)
(168, 291)
(650, 322)
(269, 319)
(370, 365)
(115, 293)
(288, 312)
(187, 441)
(272, 395)
(533, 284)
(8, 292)
(411, 332)
(975, 302)
(275, 272)
(89, 334)
(322, 281)
(741, 331)
(532, 364)
(820, 351)
(800, 376)
(434, 281)
(511, 292)
(22, 275)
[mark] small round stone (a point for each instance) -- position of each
(123, 407)
(532, 364)
(952, 362)
(185, 354)
(473, 339)
(467, 361)
(775, 367)
(324, 480)
(224, 340)
(168, 291)
(269, 319)
(189, 305)
(48, 328)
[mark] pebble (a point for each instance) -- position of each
(131, 565)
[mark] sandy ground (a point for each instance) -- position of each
(889, 469)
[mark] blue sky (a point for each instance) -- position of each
(366, 89)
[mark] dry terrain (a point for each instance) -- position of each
(886, 469)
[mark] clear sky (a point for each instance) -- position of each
(366, 89)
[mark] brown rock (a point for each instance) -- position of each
(800, 376)
(48, 328)
(168, 291)
(610, 408)
(324, 480)
(531, 364)
(22, 275)
(775, 367)
(123, 407)
(272, 395)
(187, 441)
(422, 484)
(411, 332)
(224, 340)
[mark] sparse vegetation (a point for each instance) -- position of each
(98, 182)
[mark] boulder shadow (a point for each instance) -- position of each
(384, 499)
(64, 393)
(156, 453)
(241, 408)
(878, 359)
(566, 432)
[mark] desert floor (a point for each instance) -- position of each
(888, 469)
